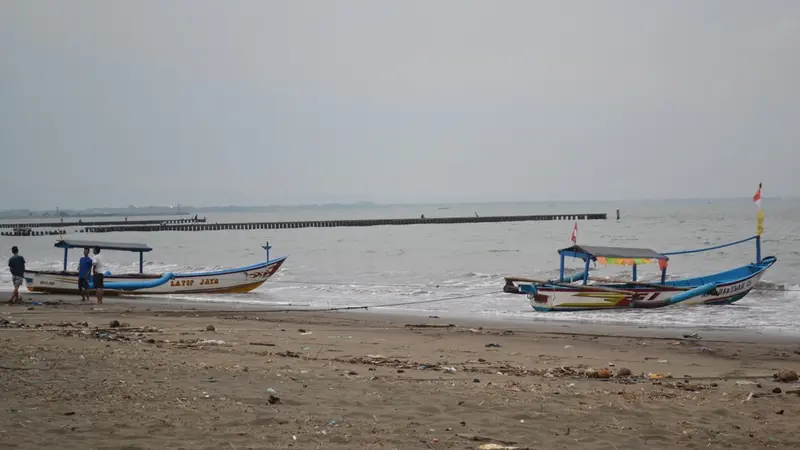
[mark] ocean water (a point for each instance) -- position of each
(458, 270)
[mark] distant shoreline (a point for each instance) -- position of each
(155, 210)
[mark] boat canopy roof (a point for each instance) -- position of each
(613, 255)
(121, 246)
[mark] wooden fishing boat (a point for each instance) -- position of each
(228, 281)
(575, 293)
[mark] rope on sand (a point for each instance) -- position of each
(384, 305)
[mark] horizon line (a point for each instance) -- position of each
(368, 202)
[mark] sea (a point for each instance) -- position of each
(457, 270)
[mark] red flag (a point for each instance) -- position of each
(757, 197)
(574, 237)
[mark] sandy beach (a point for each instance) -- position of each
(136, 375)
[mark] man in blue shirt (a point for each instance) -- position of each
(84, 269)
(17, 266)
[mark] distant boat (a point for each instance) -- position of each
(227, 281)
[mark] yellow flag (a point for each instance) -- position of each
(760, 222)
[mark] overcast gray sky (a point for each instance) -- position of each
(110, 103)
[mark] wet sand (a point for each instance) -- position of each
(195, 376)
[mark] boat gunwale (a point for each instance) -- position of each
(765, 264)
(176, 275)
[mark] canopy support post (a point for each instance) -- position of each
(66, 250)
(141, 262)
(634, 271)
(586, 270)
(663, 275)
(758, 249)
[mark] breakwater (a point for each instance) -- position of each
(101, 223)
(190, 225)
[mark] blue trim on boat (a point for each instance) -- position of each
(134, 285)
(229, 271)
(730, 276)
(727, 277)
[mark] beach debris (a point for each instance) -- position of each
(265, 344)
(493, 345)
(211, 328)
(428, 325)
(215, 342)
(493, 446)
(786, 376)
(777, 390)
(624, 372)
(433, 317)
(301, 330)
(449, 369)
(604, 373)
(749, 397)
(476, 380)
(744, 382)
(476, 438)
(691, 335)
(611, 364)
(114, 324)
(663, 361)
(273, 398)
(655, 376)
(12, 324)
(568, 346)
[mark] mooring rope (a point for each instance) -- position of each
(440, 286)
(684, 252)
(341, 283)
(365, 307)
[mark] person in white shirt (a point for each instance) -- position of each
(99, 267)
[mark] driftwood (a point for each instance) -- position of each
(28, 368)
(472, 437)
(425, 325)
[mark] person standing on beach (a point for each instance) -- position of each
(17, 265)
(84, 270)
(99, 265)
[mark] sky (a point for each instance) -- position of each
(111, 103)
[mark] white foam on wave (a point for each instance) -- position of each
(771, 306)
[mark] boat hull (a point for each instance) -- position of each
(731, 287)
(232, 281)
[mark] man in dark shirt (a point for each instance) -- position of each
(17, 265)
(84, 269)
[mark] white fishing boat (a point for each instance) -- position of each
(226, 281)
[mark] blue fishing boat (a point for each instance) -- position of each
(578, 292)
(226, 281)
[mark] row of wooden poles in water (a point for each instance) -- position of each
(118, 226)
